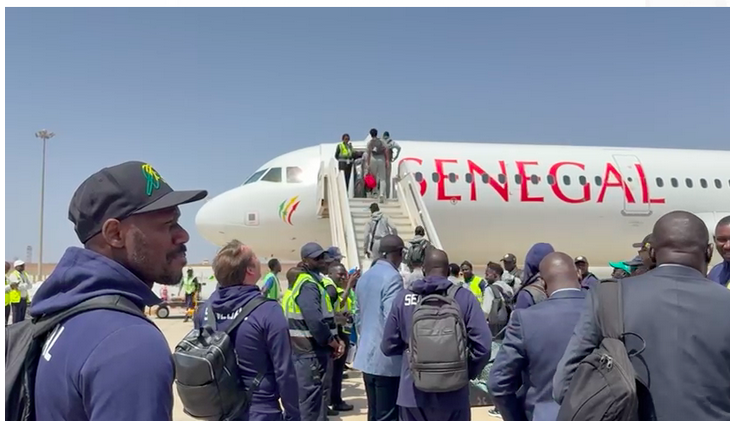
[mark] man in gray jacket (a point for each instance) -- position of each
(378, 227)
(679, 318)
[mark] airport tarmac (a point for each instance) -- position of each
(353, 390)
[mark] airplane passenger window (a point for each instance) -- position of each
(293, 175)
(518, 179)
(582, 180)
(689, 182)
(435, 177)
(566, 180)
(502, 178)
(551, 179)
(452, 177)
(659, 182)
(598, 180)
(255, 176)
(485, 178)
(535, 179)
(718, 183)
(703, 183)
(675, 183)
(469, 178)
(274, 175)
(419, 176)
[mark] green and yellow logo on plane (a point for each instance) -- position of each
(287, 208)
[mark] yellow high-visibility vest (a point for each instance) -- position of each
(474, 288)
(345, 151)
(298, 330)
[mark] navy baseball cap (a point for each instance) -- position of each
(118, 192)
(334, 252)
(311, 251)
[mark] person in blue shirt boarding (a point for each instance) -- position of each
(271, 288)
(375, 291)
(105, 364)
(721, 272)
(261, 340)
(416, 404)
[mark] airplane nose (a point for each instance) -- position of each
(210, 221)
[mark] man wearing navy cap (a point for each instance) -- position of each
(313, 333)
(105, 364)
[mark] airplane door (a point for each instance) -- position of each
(627, 167)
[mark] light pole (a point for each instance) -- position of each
(43, 135)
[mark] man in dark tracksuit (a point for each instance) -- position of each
(414, 404)
(313, 333)
(261, 341)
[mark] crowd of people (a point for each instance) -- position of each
(372, 168)
(420, 326)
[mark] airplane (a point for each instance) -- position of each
(486, 200)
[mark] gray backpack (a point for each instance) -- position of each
(438, 353)
(206, 370)
(604, 386)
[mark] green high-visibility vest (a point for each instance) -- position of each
(298, 330)
(273, 292)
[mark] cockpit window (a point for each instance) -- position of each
(293, 175)
(274, 175)
(255, 177)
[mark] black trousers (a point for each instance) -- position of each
(347, 169)
(382, 394)
(338, 370)
(19, 310)
(7, 314)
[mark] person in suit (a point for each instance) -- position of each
(679, 318)
(535, 340)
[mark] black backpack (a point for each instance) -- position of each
(206, 370)
(499, 312)
(604, 386)
(417, 252)
(24, 345)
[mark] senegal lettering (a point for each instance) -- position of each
(498, 182)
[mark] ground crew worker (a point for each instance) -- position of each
(345, 157)
(188, 285)
(472, 282)
(379, 156)
(20, 285)
(344, 309)
(313, 333)
(588, 279)
(271, 289)
(7, 293)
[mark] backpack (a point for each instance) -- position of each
(377, 146)
(499, 313)
(438, 352)
(24, 344)
(416, 252)
(604, 386)
(206, 370)
(536, 290)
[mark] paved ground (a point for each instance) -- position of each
(352, 388)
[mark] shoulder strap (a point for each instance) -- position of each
(451, 291)
(109, 302)
(610, 311)
(250, 306)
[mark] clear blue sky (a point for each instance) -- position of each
(206, 96)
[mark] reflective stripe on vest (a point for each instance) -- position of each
(298, 330)
(273, 292)
(345, 151)
(474, 288)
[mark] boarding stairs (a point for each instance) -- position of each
(349, 215)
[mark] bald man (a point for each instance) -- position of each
(681, 319)
(534, 342)
(721, 272)
(416, 405)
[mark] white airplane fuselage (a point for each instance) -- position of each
(486, 200)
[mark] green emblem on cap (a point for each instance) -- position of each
(152, 177)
